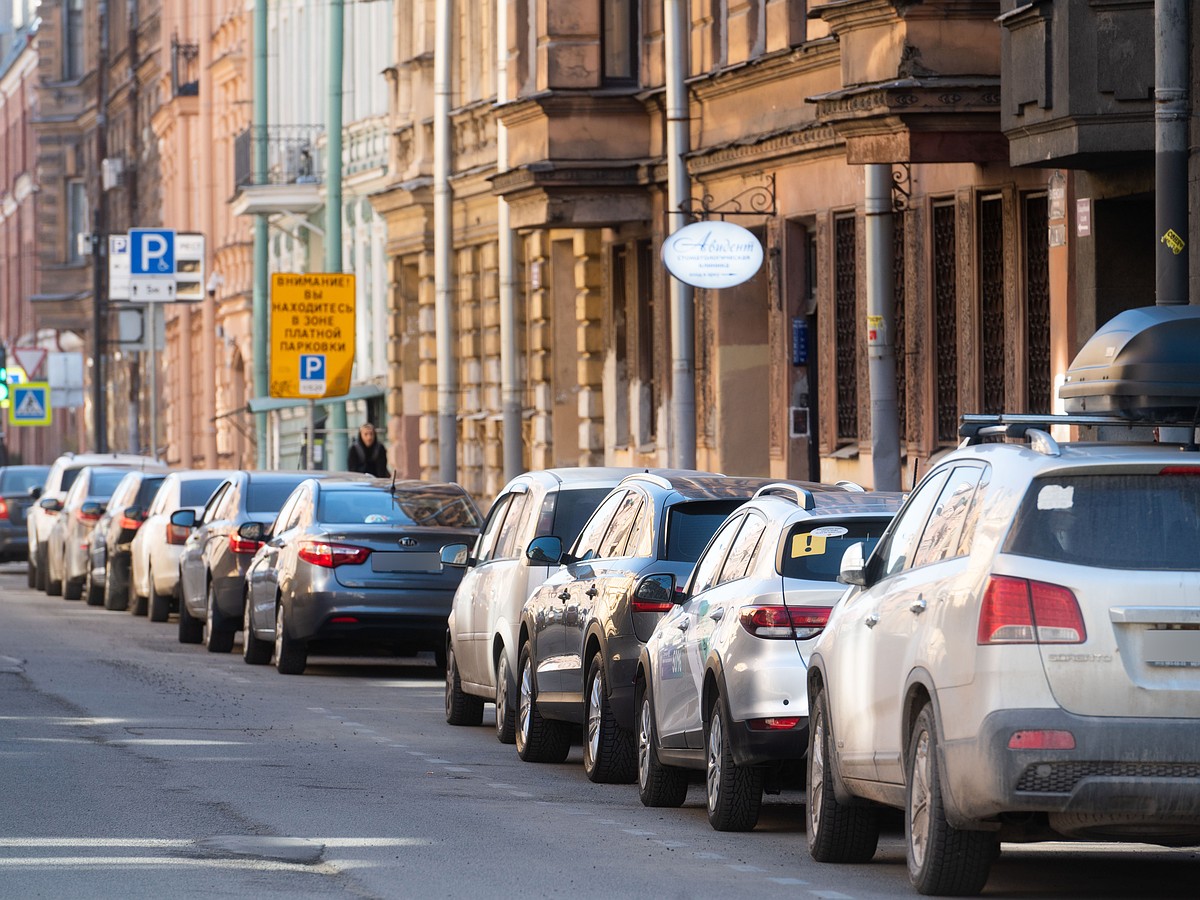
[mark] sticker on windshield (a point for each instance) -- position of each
(375, 519)
(1056, 496)
(828, 531)
(808, 545)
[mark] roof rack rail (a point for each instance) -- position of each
(652, 477)
(852, 486)
(802, 497)
(975, 428)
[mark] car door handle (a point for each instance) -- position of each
(918, 606)
(683, 624)
(871, 620)
(717, 615)
(592, 591)
(565, 595)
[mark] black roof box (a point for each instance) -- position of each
(1143, 365)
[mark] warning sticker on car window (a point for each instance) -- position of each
(829, 531)
(1056, 496)
(812, 544)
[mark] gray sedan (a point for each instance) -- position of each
(353, 564)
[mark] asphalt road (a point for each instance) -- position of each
(134, 766)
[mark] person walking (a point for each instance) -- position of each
(366, 454)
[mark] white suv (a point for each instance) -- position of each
(1019, 658)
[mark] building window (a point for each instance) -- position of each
(619, 40)
(844, 321)
(1037, 306)
(945, 323)
(647, 432)
(73, 39)
(991, 286)
(77, 219)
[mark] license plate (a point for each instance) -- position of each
(1172, 647)
(399, 561)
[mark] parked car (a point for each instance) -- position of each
(582, 630)
(482, 630)
(67, 543)
(107, 580)
(721, 682)
(1017, 660)
(157, 545)
(213, 564)
(40, 518)
(353, 564)
(16, 482)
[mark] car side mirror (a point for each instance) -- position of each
(854, 565)
(184, 518)
(457, 556)
(134, 512)
(35, 491)
(92, 510)
(656, 593)
(49, 504)
(252, 531)
(547, 551)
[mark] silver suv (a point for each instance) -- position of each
(1018, 659)
(721, 682)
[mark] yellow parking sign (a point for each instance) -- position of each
(312, 335)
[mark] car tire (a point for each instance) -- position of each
(461, 707)
(255, 651)
(54, 588)
(609, 751)
(291, 655)
(191, 629)
(837, 832)
(218, 636)
(733, 793)
(942, 860)
(159, 605)
(537, 739)
(506, 713)
(658, 785)
(31, 573)
(93, 593)
(72, 588)
(116, 590)
(42, 563)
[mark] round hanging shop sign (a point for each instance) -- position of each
(712, 254)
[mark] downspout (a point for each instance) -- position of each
(881, 354)
(681, 452)
(1170, 151)
(335, 438)
(443, 250)
(99, 249)
(208, 196)
(261, 264)
(510, 389)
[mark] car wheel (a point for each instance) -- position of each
(537, 739)
(255, 651)
(42, 564)
(733, 792)
(218, 636)
(159, 605)
(191, 629)
(291, 656)
(609, 751)
(461, 707)
(658, 785)
(837, 832)
(72, 588)
(116, 588)
(93, 593)
(53, 586)
(31, 573)
(942, 860)
(506, 714)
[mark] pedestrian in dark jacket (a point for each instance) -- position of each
(366, 454)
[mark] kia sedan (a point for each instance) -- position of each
(353, 565)
(17, 486)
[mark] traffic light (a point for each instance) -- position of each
(3, 375)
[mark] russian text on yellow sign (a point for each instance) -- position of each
(311, 314)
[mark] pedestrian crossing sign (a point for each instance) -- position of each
(29, 404)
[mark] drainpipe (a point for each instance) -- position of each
(1170, 151)
(510, 390)
(208, 196)
(335, 439)
(443, 250)
(262, 274)
(99, 250)
(881, 354)
(681, 453)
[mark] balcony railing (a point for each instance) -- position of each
(293, 156)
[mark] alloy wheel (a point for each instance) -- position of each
(918, 807)
(716, 742)
(594, 715)
(816, 773)
(525, 705)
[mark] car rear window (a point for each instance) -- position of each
(1112, 521)
(19, 481)
(68, 478)
(146, 491)
(571, 511)
(382, 507)
(196, 491)
(813, 551)
(268, 496)
(691, 524)
(104, 483)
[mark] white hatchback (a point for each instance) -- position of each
(1018, 660)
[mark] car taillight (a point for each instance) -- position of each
(1041, 740)
(651, 606)
(798, 622)
(238, 545)
(176, 534)
(129, 524)
(330, 556)
(773, 723)
(1179, 470)
(88, 517)
(1019, 611)
(3, 508)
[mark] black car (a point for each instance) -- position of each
(16, 482)
(107, 577)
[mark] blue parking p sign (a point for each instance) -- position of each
(312, 374)
(151, 251)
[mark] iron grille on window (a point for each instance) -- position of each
(185, 68)
(292, 155)
(898, 273)
(945, 322)
(991, 270)
(845, 320)
(1037, 305)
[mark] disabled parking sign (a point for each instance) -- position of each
(312, 374)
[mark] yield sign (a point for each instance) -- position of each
(30, 359)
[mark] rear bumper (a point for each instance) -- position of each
(397, 621)
(14, 543)
(753, 748)
(1127, 772)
